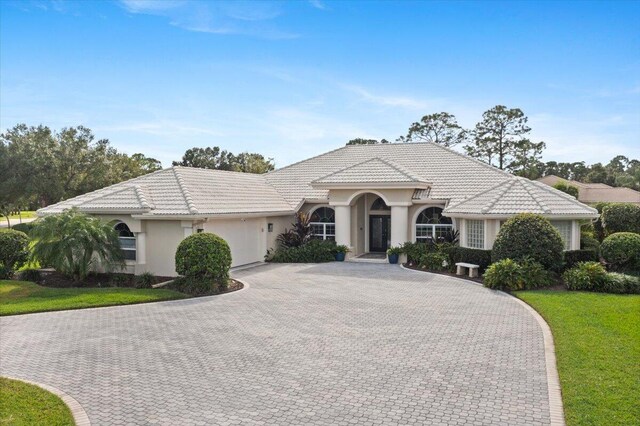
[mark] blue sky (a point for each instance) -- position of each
(295, 79)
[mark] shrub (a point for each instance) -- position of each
(144, 280)
(14, 251)
(532, 236)
(314, 251)
(435, 261)
(415, 251)
(567, 189)
(300, 233)
(204, 255)
(621, 283)
(503, 275)
(24, 227)
(32, 275)
(571, 257)
(197, 285)
(72, 242)
(470, 255)
(621, 217)
(589, 242)
(585, 276)
(597, 224)
(622, 250)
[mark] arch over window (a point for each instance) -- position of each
(379, 204)
(323, 223)
(127, 241)
(431, 225)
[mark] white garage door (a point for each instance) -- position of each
(246, 238)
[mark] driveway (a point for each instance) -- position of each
(338, 343)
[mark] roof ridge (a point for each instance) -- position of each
(385, 162)
(499, 195)
(142, 199)
(468, 157)
(476, 195)
(545, 208)
(307, 159)
(185, 191)
(555, 191)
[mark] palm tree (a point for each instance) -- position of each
(72, 242)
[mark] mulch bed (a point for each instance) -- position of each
(181, 286)
(447, 273)
(58, 280)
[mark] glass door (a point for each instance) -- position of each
(379, 233)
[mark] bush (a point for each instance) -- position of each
(24, 227)
(314, 251)
(503, 275)
(435, 261)
(620, 217)
(204, 255)
(470, 255)
(567, 189)
(571, 257)
(197, 285)
(585, 276)
(621, 283)
(597, 224)
(622, 250)
(531, 236)
(14, 251)
(144, 280)
(32, 275)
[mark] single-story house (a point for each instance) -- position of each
(593, 193)
(367, 197)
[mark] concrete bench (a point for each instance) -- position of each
(473, 269)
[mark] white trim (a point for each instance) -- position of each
(371, 185)
(367, 191)
(417, 213)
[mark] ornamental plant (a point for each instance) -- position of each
(529, 236)
(204, 255)
(14, 251)
(622, 250)
(585, 276)
(620, 217)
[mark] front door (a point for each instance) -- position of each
(379, 233)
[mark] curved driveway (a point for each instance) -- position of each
(338, 343)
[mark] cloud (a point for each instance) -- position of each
(251, 18)
(318, 4)
(386, 100)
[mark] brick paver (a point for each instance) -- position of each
(339, 344)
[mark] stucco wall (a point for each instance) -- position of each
(280, 223)
(163, 237)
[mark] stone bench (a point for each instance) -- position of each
(473, 269)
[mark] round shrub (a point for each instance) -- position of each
(621, 217)
(530, 236)
(585, 276)
(204, 255)
(503, 275)
(621, 250)
(14, 251)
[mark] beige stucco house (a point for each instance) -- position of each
(368, 197)
(593, 193)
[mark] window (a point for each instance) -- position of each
(127, 241)
(475, 234)
(379, 204)
(564, 228)
(323, 223)
(431, 225)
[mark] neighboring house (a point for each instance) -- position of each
(367, 197)
(592, 193)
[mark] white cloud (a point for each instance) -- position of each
(386, 100)
(318, 4)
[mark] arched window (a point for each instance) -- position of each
(431, 225)
(127, 241)
(379, 204)
(323, 223)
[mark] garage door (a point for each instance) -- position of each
(246, 238)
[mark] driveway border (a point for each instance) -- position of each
(79, 415)
(556, 408)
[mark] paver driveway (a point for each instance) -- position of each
(338, 343)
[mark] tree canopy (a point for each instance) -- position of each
(215, 158)
(362, 141)
(441, 127)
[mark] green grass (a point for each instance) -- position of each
(25, 404)
(597, 339)
(28, 214)
(21, 297)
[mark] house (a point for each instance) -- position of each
(592, 193)
(368, 197)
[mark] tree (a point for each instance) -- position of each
(441, 128)
(567, 189)
(501, 138)
(72, 242)
(361, 141)
(214, 158)
(526, 156)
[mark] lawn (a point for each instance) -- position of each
(21, 297)
(597, 339)
(27, 214)
(25, 404)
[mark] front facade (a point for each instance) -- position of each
(366, 197)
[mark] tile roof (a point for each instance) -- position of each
(520, 195)
(374, 170)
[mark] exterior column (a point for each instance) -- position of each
(141, 248)
(187, 227)
(399, 225)
(343, 225)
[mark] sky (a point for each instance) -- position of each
(295, 79)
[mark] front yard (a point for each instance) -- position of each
(22, 297)
(597, 339)
(26, 404)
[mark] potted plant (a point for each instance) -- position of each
(394, 254)
(341, 252)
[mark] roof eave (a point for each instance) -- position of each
(370, 185)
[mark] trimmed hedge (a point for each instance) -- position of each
(571, 257)
(508, 274)
(585, 276)
(622, 250)
(621, 217)
(314, 251)
(470, 255)
(531, 236)
(415, 251)
(24, 227)
(204, 255)
(14, 251)
(435, 261)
